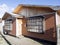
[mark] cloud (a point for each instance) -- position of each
(5, 8)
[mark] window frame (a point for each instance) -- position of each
(8, 24)
(43, 25)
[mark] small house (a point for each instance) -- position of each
(12, 24)
(38, 22)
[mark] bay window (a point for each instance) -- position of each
(35, 24)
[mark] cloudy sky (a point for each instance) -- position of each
(9, 5)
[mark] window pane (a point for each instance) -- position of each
(8, 24)
(35, 24)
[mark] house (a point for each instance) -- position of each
(38, 21)
(13, 24)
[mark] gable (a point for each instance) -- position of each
(6, 15)
(33, 11)
(21, 7)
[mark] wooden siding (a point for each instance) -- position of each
(30, 11)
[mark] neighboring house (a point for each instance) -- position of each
(13, 24)
(38, 21)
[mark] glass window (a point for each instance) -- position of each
(35, 24)
(8, 24)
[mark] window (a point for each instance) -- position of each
(8, 24)
(35, 24)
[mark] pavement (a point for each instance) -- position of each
(23, 41)
(2, 41)
(58, 41)
(10, 40)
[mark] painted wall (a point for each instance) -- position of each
(31, 11)
(50, 24)
(1, 26)
(13, 31)
(58, 28)
(50, 29)
(57, 19)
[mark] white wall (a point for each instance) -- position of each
(57, 19)
(32, 12)
(1, 26)
(58, 28)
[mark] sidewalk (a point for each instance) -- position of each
(2, 41)
(24, 41)
(21, 41)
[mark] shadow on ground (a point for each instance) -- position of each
(44, 42)
(6, 40)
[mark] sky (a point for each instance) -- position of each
(10, 5)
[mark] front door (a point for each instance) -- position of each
(18, 27)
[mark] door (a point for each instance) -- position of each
(18, 27)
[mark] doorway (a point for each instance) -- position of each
(18, 27)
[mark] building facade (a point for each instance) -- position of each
(38, 22)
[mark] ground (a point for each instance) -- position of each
(20, 41)
(2, 41)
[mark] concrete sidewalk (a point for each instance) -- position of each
(2, 41)
(21, 41)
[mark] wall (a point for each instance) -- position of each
(50, 23)
(50, 29)
(13, 31)
(34, 11)
(58, 27)
(1, 27)
(57, 19)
